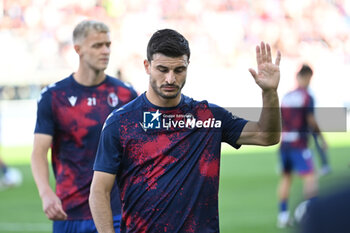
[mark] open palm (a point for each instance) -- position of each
(268, 75)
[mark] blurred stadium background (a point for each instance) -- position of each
(36, 50)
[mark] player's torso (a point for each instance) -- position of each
(79, 113)
(155, 137)
(171, 163)
(294, 109)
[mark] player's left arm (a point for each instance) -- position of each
(266, 131)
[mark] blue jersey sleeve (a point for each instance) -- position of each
(232, 125)
(109, 151)
(133, 93)
(45, 121)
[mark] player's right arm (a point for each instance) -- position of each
(106, 165)
(44, 129)
(40, 168)
(99, 201)
(313, 125)
(266, 131)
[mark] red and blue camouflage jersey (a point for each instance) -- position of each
(74, 115)
(295, 107)
(167, 163)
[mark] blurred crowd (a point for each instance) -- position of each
(35, 36)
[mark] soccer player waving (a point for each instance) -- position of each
(168, 173)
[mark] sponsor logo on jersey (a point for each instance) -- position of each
(72, 100)
(112, 99)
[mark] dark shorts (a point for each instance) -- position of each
(81, 226)
(296, 159)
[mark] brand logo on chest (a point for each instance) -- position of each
(72, 100)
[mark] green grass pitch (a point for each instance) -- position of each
(248, 181)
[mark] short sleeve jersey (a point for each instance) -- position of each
(295, 107)
(167, 163)
(74, 115)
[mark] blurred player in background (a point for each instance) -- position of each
(298, 121)
(70, 117)
(9, 176)
(169, 173)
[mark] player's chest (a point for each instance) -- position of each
(86, 100)
(76, 106)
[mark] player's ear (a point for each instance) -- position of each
(77, 48)
(147, 65)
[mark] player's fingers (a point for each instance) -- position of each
(59, 216)
(50, 212)
(278, 58)
(263, 52)
(253, 73)
(268, 56)
(59, 212)
(258, 55)
(55, 212)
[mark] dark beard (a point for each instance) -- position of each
(157, 90)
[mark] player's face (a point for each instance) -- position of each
(167, 75)
(95, 50)
(304, 81)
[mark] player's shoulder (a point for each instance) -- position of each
(306, 96)
(309, 94)
(304, 92)
(56, 86)
(295, 98)
(117, 82)
(61, 84)
(199, 103)
(294, 92)
(188, 101)
(205, 106)
(134, 105)
(128, 110)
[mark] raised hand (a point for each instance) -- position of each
(268, 75)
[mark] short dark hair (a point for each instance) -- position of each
(169, 43)
(305, 70)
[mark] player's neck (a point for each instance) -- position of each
(162, 102)
(89, 77)
(303, 86)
